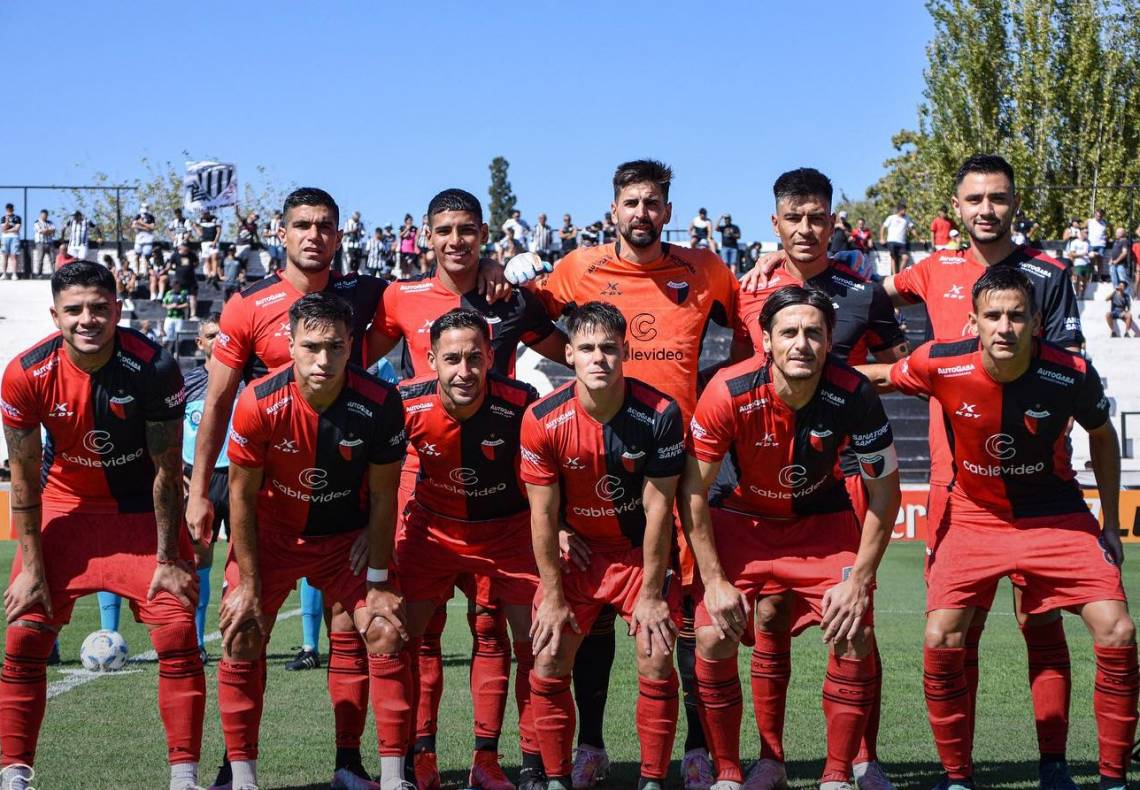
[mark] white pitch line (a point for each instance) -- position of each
(81, 677)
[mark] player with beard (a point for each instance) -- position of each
(986, 201)
(668, 295)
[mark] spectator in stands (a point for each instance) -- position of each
(1071, 232)
(352, 243)
(271, 236)
(1120, 309)
(42, 253)
(409, 254)
(151, 330)
(1118, 259)
(729, 241)
(1136, 260)
(158, 277)
(144, 225)
(427, 255)
(185, 275)
(940, 228)
(607, 229)
(518, 224)
(125, 279)
(177, 304)
(568, 235)
(374, 254)
(751, 255)
(248, 241)
(541, 240)
(895, 233)
(955, 240)
(509, 246)
(1023, 228)
(79, 234)
(1077, 251)
(861, 237)
(10, 225)
(592, 235)
(234, 273)
(210, 233)
(700, 229)
(179, 230)
(1098, 240)
(840, 235)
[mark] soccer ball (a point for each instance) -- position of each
(103, 651)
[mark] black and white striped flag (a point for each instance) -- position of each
(209, 185)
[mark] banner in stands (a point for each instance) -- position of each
(209, 185)
(910, 524)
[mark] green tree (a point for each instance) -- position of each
(502, 199)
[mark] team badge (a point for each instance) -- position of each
(348, 446)
(678, 292)
(631, 459)
(490, 446)
(119, 405)
(1032, 416)
(872, 465)
(816, 438)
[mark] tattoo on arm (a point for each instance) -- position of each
(164, 443)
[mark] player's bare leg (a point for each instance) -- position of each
(947, 702)
(1116, 687)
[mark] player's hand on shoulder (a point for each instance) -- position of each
(574, 551)
(552, 616)
(493, 284)
(525, 267)
(27, 591)
(728, 608)
(652, 620)
(756, 278)
(843, 608)
(384, 609)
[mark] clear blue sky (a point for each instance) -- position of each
(385, 104)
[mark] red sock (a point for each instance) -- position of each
(657, 706)
(241, 694)
(490, 676)
(868, 744)
(348, 686)
(1050, 683)
(391, 691)
(1114, 705)
(181, 690)
(23, 692)
(553, 707)
(721, 706)
(771, 674)
(524, 657)
(970, 669)
(947, 706)
(848, 693)
(430, 674)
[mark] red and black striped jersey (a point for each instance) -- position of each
(1009, 441)
(253, 335)
(467, 470)
(95, 456)
(409, 308)
(601, 468)
(784, 462)
(316, 463)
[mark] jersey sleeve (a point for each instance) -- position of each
(1091, 409)
(249, 432)
(883, 330)
(726, 296)
(19, 404)
(668, 458)
(234, 344)
(912, 282)
(1060, 313)
(538, 464)
(536, 323)
(389, 436)
(165, 391)
(713, 425)
(911, 375)
(387, 311)
(557, 290)
(871, 436)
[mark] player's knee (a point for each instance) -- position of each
(1118, 631)
(382, 639)
(658, 666)
(548, 665)
(773, 613)
(711, 647)
(939, 635)
(859, 646)
(246, 646)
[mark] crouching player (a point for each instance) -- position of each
(604, 453)
(468, 515)
(1015, 510)
(111, 404)
(315, 453)
(785, 524)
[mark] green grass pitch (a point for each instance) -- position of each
(107, 733)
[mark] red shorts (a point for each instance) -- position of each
(857, 492)
(805, 556)
(435, 551)
(1057, 561)
(937, 514)
(86, 553)
(613, 578)
(284, 557)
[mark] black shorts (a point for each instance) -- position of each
(896, 250)
(1118, 315)
(219, 496)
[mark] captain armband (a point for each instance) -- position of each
(879, 464)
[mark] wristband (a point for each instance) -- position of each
(167, 562)
(377, 576)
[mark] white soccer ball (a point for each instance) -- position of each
(103, 651)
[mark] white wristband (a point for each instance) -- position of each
(378, 576)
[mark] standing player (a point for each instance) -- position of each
(111, 404)
(668, 295)
(787, 526)
(603, 453)
(315, 453)
(986, 201)
(456, 233)
(1015, 511)
(468, 515)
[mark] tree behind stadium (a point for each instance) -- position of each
(502, 199)
(1052, 85)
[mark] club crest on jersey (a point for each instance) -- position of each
(119, 404)
(816, 438)
(678, 292)
(872, 465)
(1032, 416)
(348, 446)
(631, 459)
(490, 446)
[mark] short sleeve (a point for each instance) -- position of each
(910, 376)
(18, 402)
(249, 433)
(387, 312)
(1061, 313)
(538, 464)
(536, 324)
(668, 458)
(872, 440)
(165, 396)
(728, 295)
(713, 426)
(1092, 408)
(389, 436)
(234, 344)
(914, 281)
(883, 330)
(557, 290)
